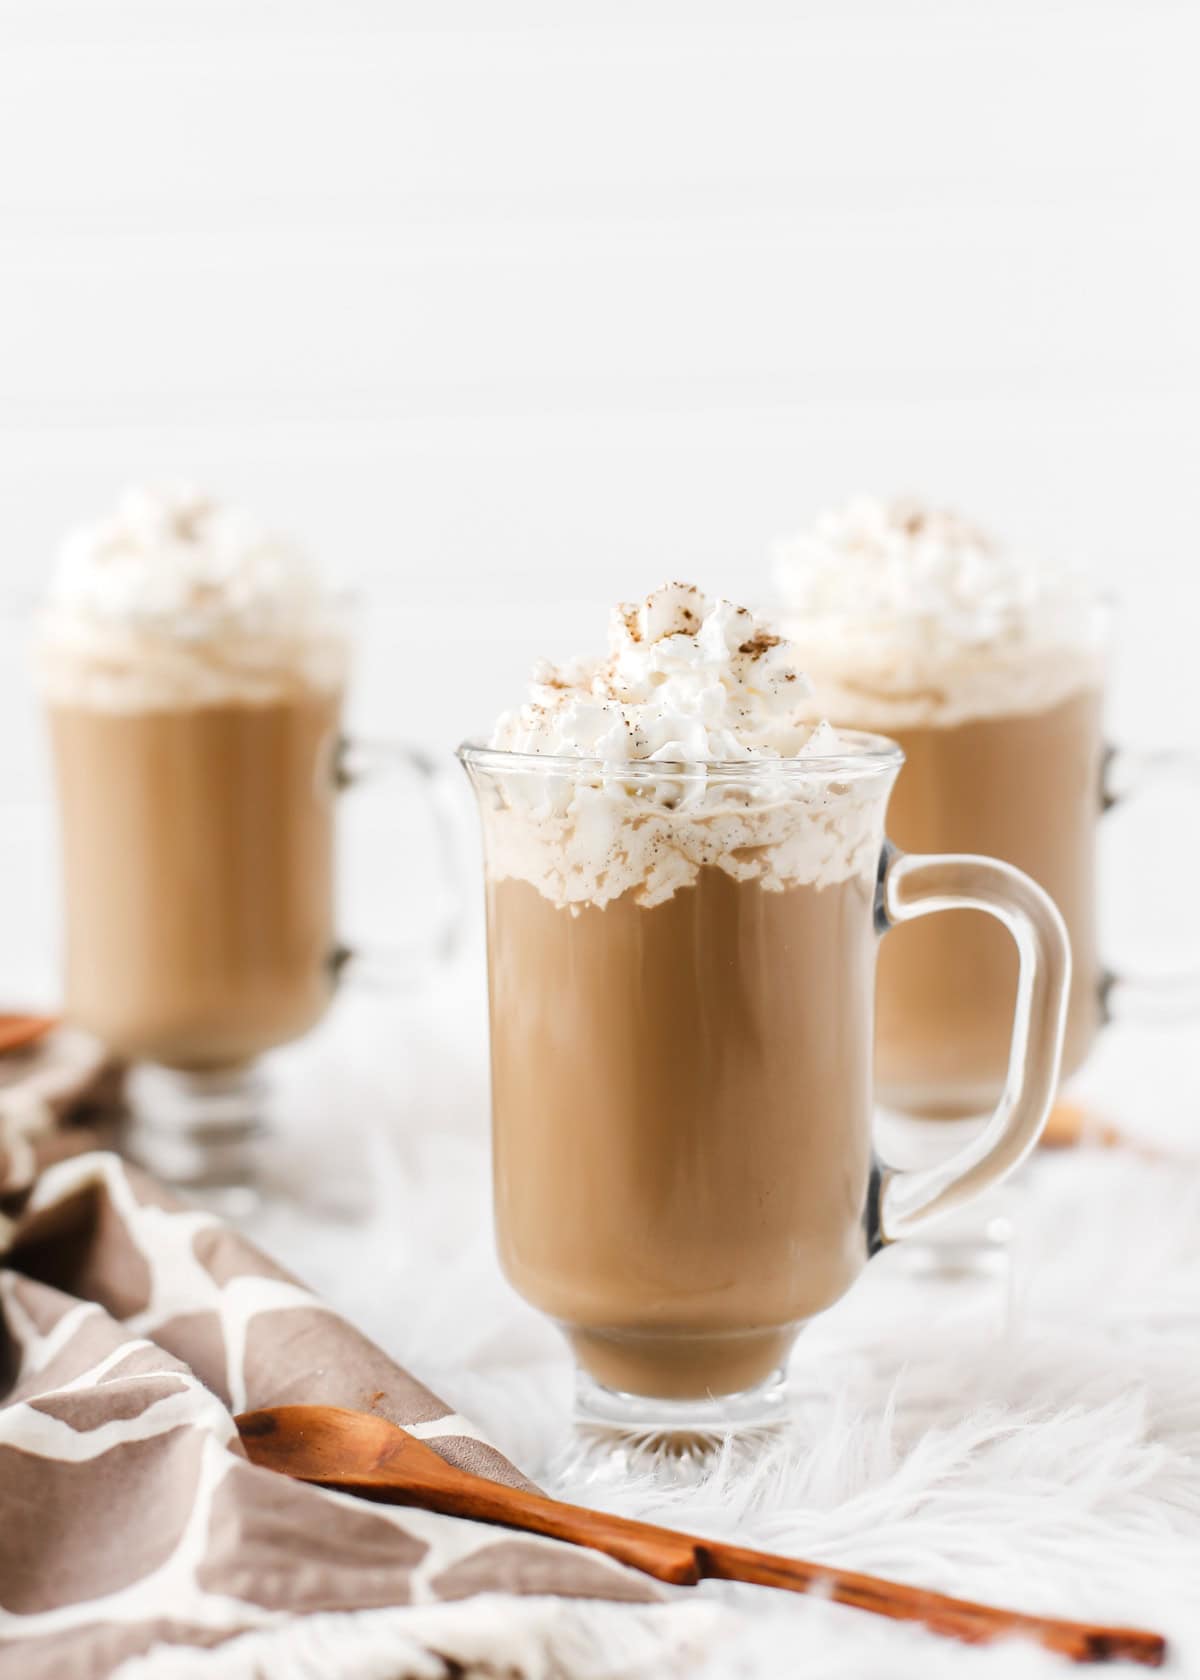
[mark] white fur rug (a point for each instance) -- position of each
(1034, 1443)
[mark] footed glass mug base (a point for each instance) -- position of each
(201, 1129)
(616, 1435)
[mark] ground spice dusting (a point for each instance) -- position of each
(759, 644)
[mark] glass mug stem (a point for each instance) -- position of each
(913, 886)
(1164, 999)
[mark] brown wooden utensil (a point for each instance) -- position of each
(355, 1452)
(18, 1032)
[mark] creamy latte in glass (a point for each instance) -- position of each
(686, 880)
(193, 668)
(989, 673)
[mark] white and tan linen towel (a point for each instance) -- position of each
(135, 1535)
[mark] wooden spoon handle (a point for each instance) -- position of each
(957, 1618)
(654, 1551)
(684, 1559)
(366, 1455)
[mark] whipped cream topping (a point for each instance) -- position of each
(749, 783)
(175, 600)
(908, 614)
(685, 678)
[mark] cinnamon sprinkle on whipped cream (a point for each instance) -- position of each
(687, 678)
(906, 614)
(176, 600)
(748, 785)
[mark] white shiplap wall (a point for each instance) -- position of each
(505, 307)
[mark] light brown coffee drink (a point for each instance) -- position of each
(1024, 787)
(686, 883)
(681, 974)
(193, 668)
(682, 1109)
(198, 872)
(989, 674)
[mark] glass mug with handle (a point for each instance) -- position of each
(681, 966)
(1020, 769)
(990, 671)
(197, 756)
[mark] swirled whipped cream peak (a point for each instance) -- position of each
(175, 599)
(750, 784)
(907, 613)
(687, 678)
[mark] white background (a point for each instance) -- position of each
(509, 309)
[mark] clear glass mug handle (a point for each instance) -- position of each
(912, 886)
(357, 762)
(1165, 998)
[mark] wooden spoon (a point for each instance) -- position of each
(18, 1032)
(358, 1453)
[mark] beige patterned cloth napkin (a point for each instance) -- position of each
(132, 1328)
